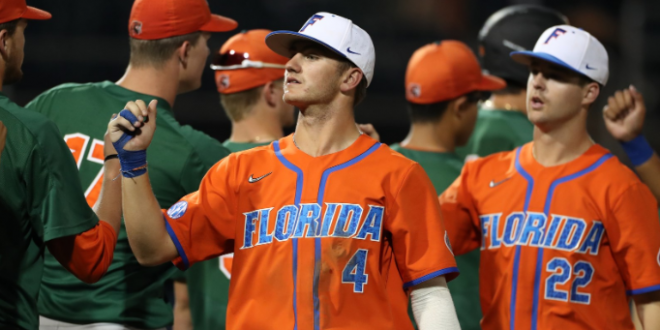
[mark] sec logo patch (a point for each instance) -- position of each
(178, 210)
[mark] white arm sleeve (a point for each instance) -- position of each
(432, 305)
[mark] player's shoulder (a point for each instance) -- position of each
(70, 88)
(393, 159)
(201, 144)
(613, 172)
(496, 161)
(35, 127)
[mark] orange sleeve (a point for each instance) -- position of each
(634, 237)
(460, 214)
(86, 255)
(201, 224)
(419, 239)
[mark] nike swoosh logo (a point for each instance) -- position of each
(590, 68)
(352, 52)
(253, 180)
(494, 184)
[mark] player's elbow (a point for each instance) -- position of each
(149, 257)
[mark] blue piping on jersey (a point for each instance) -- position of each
(546, 210)
(317, 241)
(299, 187)
(430, 276)
(643, 290)
(177, 244)
(516, 258)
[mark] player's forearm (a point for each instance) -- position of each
(144, 222)
(108, 206)
(649, 172)
(649, 315)
(432, 305)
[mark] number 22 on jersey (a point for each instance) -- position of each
(78, 143)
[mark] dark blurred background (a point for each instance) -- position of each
(87, 41)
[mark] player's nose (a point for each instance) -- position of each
(293, 65)
(537, 80)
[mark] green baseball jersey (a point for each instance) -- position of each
(495, 131)
(443, 168)
(41, 199)
(178, 158)
(208, 281)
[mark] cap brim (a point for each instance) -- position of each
(219, 24)
(525, 57)
(490, 83)
(36, 14)
(281, 41)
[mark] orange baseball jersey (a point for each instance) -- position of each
(314, 237)
(562, 247)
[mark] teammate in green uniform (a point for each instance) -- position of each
(443, 86)
(41, 200)
(502, 122)
(251, 95)
(168, 54)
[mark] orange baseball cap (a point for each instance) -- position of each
(159, 19)
(14, 9)
(245, 62)
(445, 70)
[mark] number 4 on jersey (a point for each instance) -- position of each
(354, 272)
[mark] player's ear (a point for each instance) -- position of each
(350, 79)
(458, 106)
(269, 94)
(4, 51)
(183, 53)
(590, 93)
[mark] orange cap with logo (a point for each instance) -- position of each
(445, 70)
(245, 62)
(14, 9)
(159, 19)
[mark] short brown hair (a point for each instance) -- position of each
(361, 89)
(156, 52)
(238, 105)
(10, 26)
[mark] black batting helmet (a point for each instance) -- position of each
(513, 28)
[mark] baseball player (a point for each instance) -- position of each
(567, 233)
(249, 77)
(502, 123)
(168, 54)
(315, 219)
(624, 119)
(41, 201)
(443, 86)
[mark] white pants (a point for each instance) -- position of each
(50, 324)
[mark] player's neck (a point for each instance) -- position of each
(429, 136)
(325, 129)
(511, 102)
(151, 81)
(563, 143)
(256, 129)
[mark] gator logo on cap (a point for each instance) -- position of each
(415, 90)
(136, 28)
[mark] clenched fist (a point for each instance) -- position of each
(624, 114)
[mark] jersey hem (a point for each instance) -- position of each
(643, 290)
(430, 276)
(177, 244)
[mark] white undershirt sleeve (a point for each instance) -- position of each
(432, 305)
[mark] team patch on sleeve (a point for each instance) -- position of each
(178, 210)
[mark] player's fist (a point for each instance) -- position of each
(3, 137)
(134, 126)
(624, 114)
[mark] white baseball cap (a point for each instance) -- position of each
(572, 48)
(336, 33)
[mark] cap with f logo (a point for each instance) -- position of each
(572, 48)
(334, 32)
